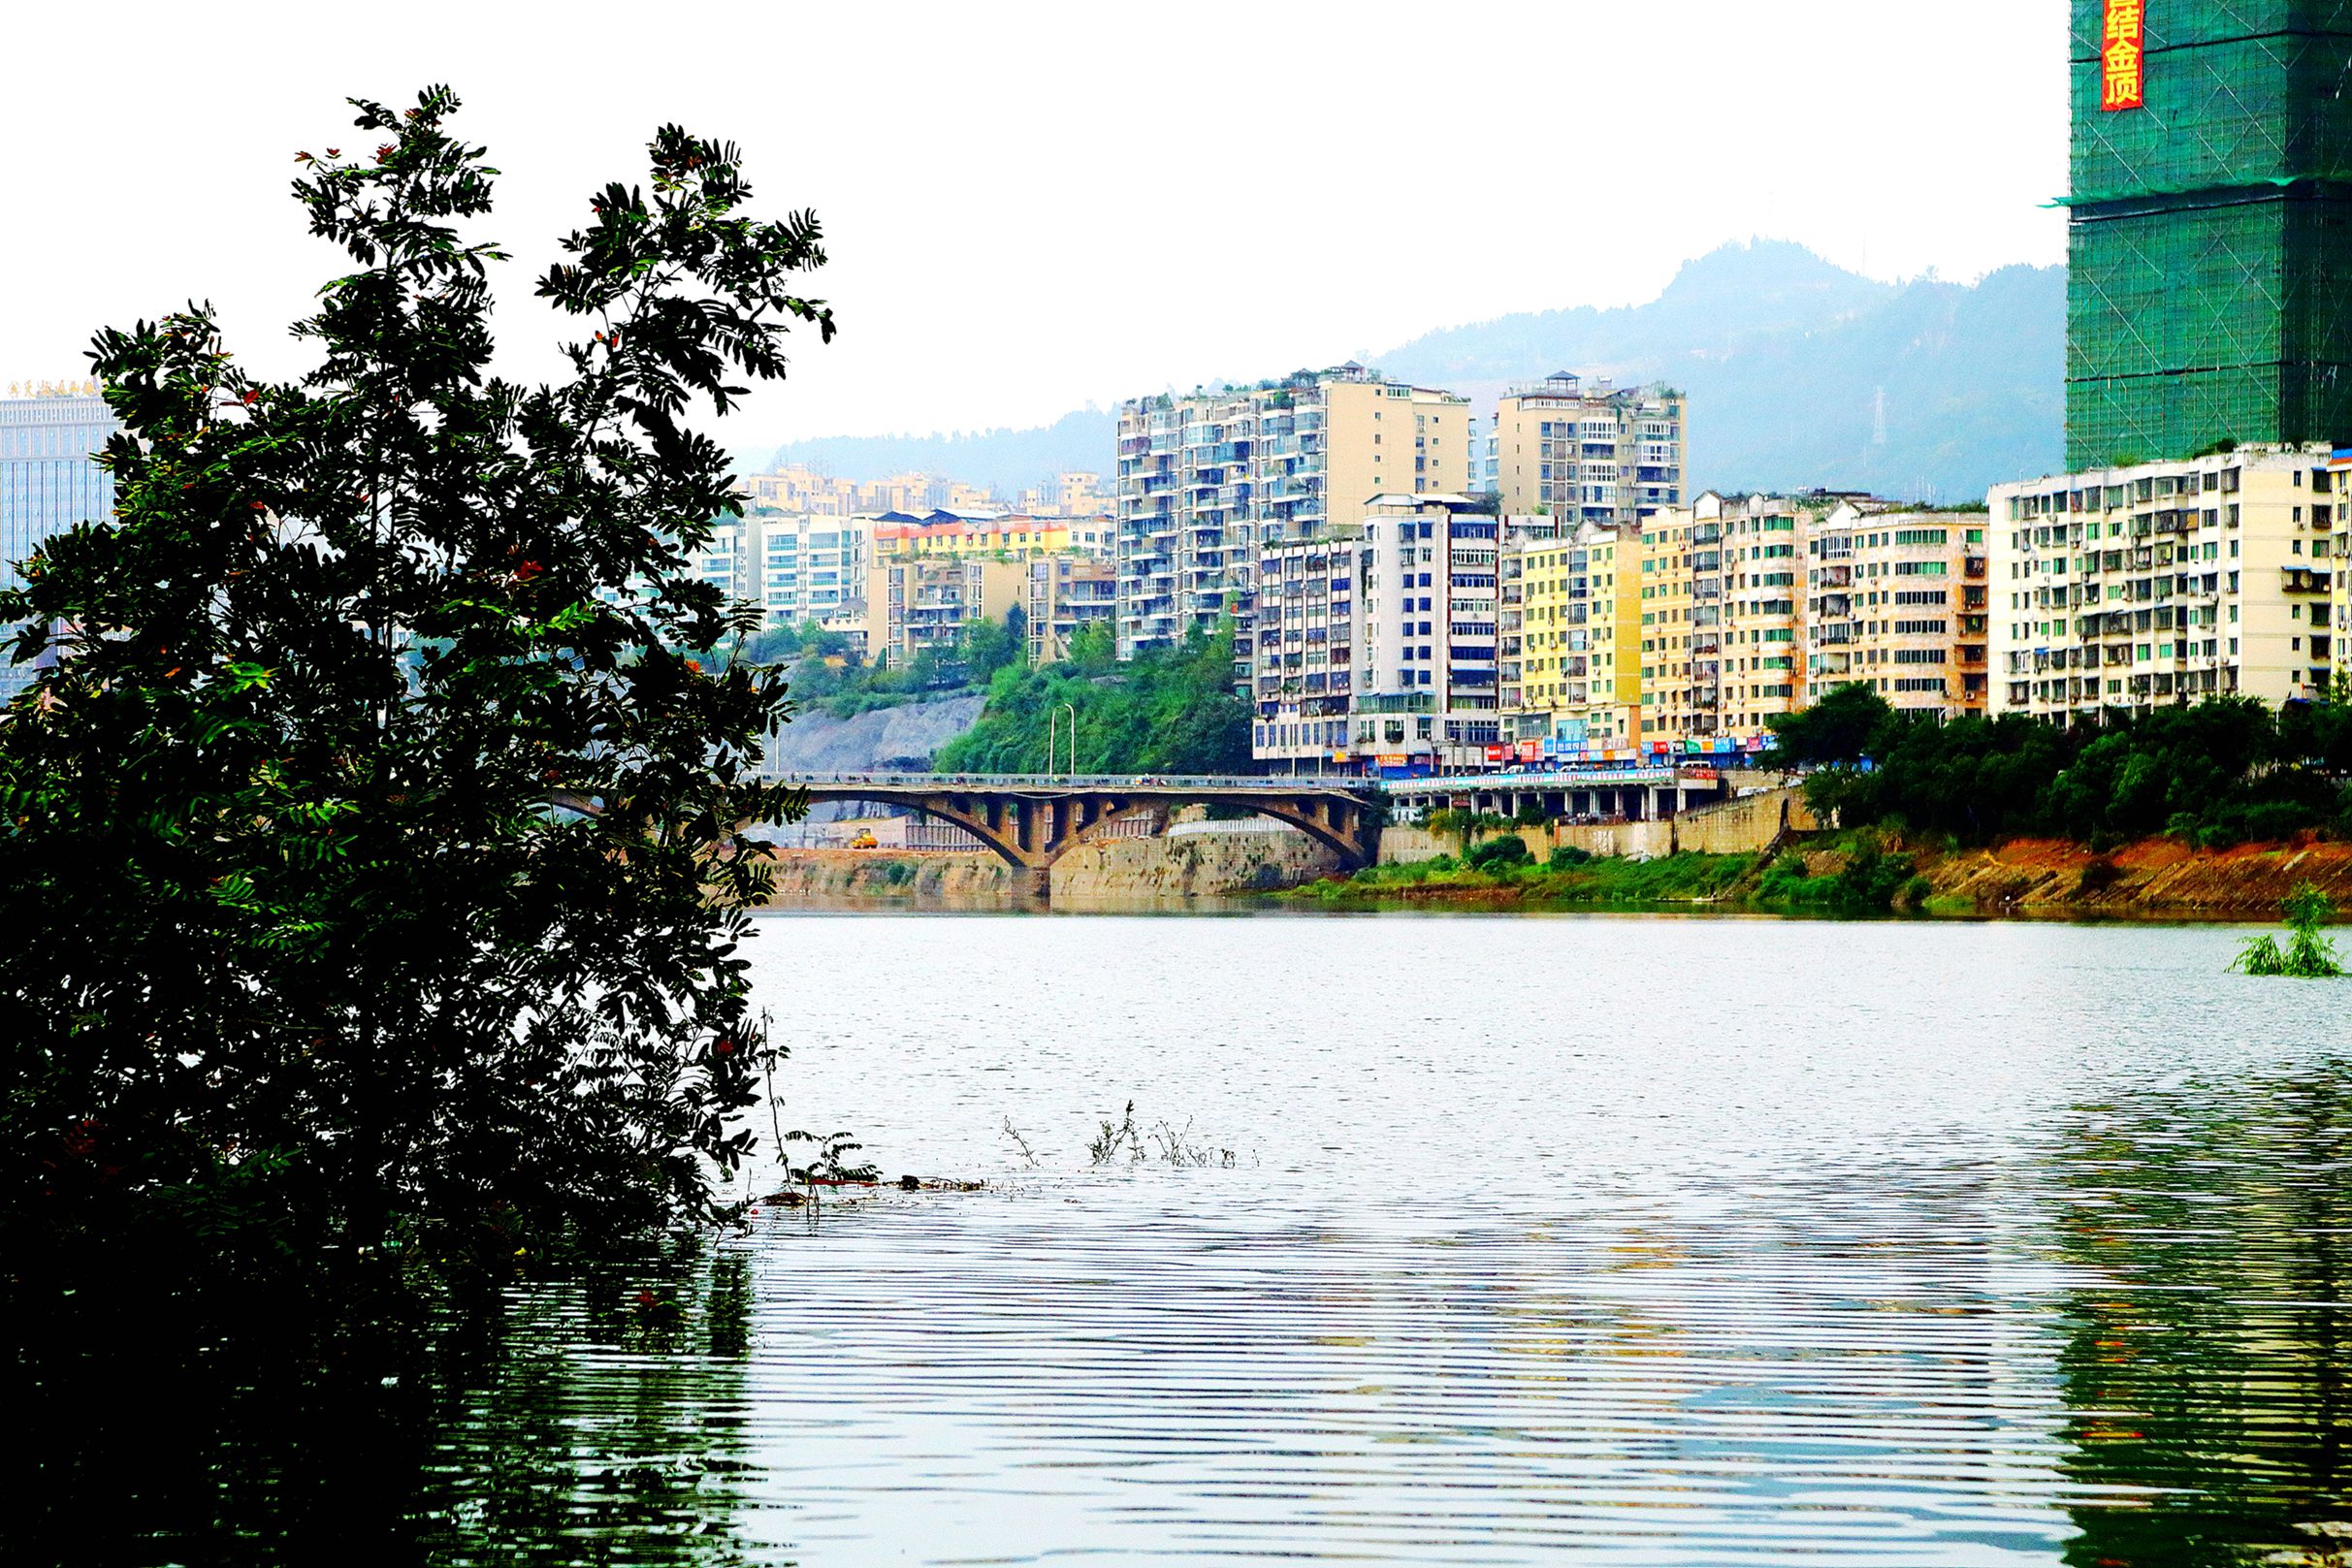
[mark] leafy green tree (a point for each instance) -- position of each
(2218, 772)
(302, 929)
(1844, 727)
(1094, 647)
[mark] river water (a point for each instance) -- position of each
(1456, 1239)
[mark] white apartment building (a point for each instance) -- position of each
(2115, 590)
(801, 566)
(1595, 453)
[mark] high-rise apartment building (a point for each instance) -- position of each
(1428, 661)
(2115, 590)
(1380, 642)
(1306, 647)
(2210, 240)
(801, 567)
(47, 482)
(1593, 453)
(1205, 481)
(1897, 601)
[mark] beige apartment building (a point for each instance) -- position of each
(924, 602)
(1065, 594)
(1074, 494)
(2115, 590)
(802, 489)
(950, 533)
(1593, 454)
(1897, 601)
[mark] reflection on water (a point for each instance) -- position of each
(1598, 1240)
(2207, 1366)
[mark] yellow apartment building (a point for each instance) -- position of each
(1581, 617)
(1679, 701)
(947, 534)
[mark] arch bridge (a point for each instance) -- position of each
(1032, 819)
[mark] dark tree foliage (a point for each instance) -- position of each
(1169, 711)
(301, 932)
(2216, 773)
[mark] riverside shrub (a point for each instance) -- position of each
(366, 880)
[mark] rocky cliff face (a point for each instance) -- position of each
(904, 736)
(1112, 874)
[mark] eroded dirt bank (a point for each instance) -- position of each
(2156, 878)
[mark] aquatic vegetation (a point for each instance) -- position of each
(2307, 955)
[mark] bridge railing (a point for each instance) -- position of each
(1222, 782)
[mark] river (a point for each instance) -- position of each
(1611, 1241)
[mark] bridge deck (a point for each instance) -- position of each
(1035, 784)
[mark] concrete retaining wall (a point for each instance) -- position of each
(1742, 826)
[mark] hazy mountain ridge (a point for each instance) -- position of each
(1007, 461)
(1799, 373)
(1791, 363)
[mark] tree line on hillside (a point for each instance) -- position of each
(2225, 771)
(1170, 710)
(824, 672)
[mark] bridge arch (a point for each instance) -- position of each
(1032, 822)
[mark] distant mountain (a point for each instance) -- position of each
(1799, 374)
(1006, 461)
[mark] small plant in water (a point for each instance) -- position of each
(826, 1167)
(1107, 1143)
(1028, 1155)
(2307, 955)
(1177, 1147)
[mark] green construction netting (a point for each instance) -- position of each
(2174, 24)
(2205, 300)
(2188, 326)
(2242, 111)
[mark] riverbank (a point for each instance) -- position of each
(1854, 874)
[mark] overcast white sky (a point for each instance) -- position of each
(1033, 205)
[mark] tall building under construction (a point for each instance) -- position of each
(2210, 246)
